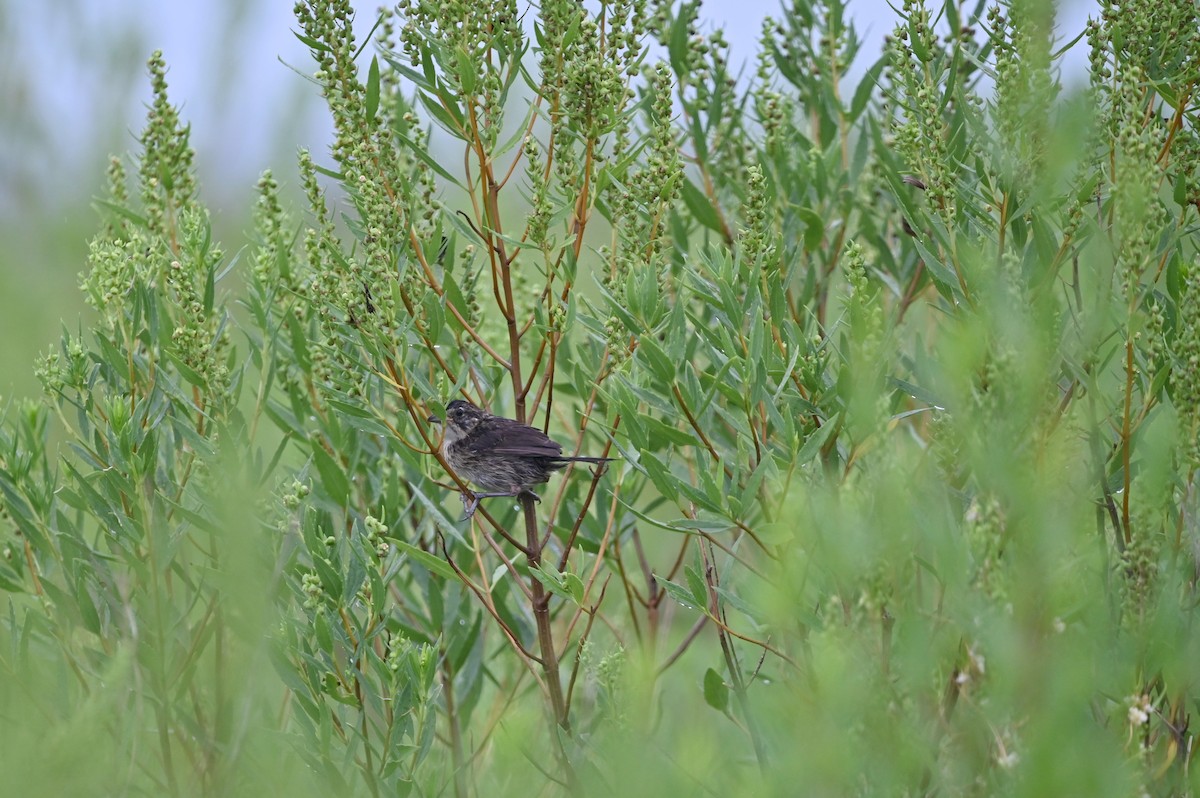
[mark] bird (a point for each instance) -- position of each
(500, 455)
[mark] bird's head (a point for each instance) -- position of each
(461, 418)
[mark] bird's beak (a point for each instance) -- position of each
(434, 420)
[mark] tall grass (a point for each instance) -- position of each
(902, 376)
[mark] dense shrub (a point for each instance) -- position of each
(903, 376)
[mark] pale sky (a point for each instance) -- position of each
(72, 81)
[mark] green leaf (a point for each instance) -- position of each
(330, 173)
(210, 289)
(750, 487)
(914, 38)
(372, 98)
(463, 645)
(187, 372)
(437, 514)
(429, 68)
(917, 392)
(866, 88)
(16, 506)
(660, 435)
(553, 581)
(814, 230)
(418, 78)
(298, 336)
(10, 581)
(574, 587)
(813, 445)
(424, 157)
(700, 207)
(737, 603)
(359, 417)
(429, 562)
(787, 67)
(1180, 194)
(656, 360)
(677, 45)
(322, 632)
(700, 524)
(311, 43)
(452, 297)
(942, 275)
(356, 573)
(697, 586)
(333, 478)
(679, 593)
(87, 608)
(466, 71)
(716, 692)
(449, 120)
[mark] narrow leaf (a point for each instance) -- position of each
(372, 99)
(716, 692)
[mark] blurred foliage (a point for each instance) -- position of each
(904, 381)
(72, 87)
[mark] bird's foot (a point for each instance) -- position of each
(472, 504)
(469, 505)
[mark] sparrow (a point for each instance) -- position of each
(500, 455)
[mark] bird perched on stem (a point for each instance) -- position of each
(502, 456)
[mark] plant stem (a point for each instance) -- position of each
(541, 615)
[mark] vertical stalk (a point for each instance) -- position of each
(731, 664)
(456, 751)
(1126, 434)
(541, 615)
(540, 600)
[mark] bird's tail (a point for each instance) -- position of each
(582, 459)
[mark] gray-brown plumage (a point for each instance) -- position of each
(502, 456)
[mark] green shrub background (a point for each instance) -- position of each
(903, 376)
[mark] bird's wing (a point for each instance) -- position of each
(517, 439)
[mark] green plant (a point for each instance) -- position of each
(902, 379)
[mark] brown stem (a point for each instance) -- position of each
(526, 655)
(1176, 124)
(734, 669)
(630, 599)
(694, 424)
(432, 281)
(541, 615)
